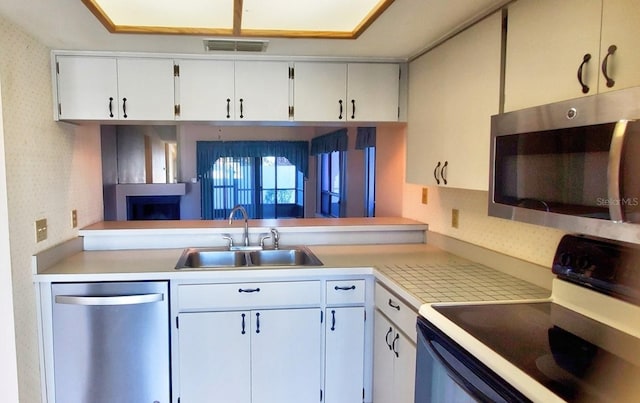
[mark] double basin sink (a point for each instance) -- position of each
(196, 258)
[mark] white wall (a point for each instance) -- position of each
(390, 169)
(51, 168)
(8, 362)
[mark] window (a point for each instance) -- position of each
(370, 182)
(268, 187)
(331, 180)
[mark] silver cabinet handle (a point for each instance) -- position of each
(109, 300)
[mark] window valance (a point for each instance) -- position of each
(365, 137)
(208, 152)
(327, 143)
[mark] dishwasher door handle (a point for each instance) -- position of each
(109, 300)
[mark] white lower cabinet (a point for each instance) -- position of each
(394, 348)
(344, 355)
(269, 355)
(394, 363)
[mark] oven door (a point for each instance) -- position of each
(445, 372)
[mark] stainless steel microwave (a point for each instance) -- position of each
(573, 165)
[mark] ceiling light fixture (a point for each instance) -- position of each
(335, 19)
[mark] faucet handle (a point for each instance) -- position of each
(263, 237)
(275, 236)
(229, 240)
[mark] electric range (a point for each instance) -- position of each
(582, 344)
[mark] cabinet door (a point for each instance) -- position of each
(546, 43)
(320, 92)
(214, 357)
(383, 377)
(285, 355)
(145, 89)
(404, 368)
(620, 28)
(87, 87)
(372, 92)
(206, 90)
(455, 90)
(344, 355)
(262, 91)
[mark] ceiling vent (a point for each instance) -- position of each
(235, 45)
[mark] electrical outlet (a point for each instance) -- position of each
(74, 218)
(425, 195)
(455, 218)
(41, 230)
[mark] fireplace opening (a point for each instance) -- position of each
(153, 207)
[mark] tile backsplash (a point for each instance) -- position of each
(533, 243)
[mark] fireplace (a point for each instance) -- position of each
(143, 201)
(153, 207)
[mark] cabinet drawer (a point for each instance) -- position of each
(345, 292)
(401, 314)
(248, 295)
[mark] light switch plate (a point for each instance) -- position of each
(425, 195)
(41, 230)
(74, 218)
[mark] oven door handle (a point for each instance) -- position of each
(613, 172)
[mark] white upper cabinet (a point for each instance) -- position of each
(87, 87)
(453, 91)
(146, 89)
(219, 90)
(373, 91)
(557, 50)
(206, 90)
(100, 88)
(123, 87)
(262, 90)
(620, 28)
(320, 92)
(364, 92)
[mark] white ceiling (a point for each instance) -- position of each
(402, 31)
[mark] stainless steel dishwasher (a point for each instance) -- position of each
(111, 342)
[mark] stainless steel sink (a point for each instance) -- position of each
(195, 258)
(211, 257)
(298, 256)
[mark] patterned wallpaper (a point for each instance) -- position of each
(532, 243)
(52, 168)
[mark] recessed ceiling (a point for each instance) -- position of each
(337, 19)
(404, 29)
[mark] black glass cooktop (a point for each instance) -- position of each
(576, 357)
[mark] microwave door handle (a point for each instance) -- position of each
(613, 171)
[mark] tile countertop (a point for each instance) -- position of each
(418, 273)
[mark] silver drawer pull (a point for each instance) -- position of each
(393, 305)
(109, 300)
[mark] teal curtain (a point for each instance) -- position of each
(365, 137)
(208, 152)
(334, 141)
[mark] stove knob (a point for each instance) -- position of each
(565, 259)
(583, 263)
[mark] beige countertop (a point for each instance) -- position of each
(419, 273)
